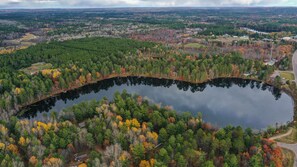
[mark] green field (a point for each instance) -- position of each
(287, 75)
(194, 45)
(35, 68)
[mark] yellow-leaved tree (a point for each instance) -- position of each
(83, 165)
(144, 163)
(22, 141)
(17, 91)
(2, 146)
(56, 74)
(82, 79)
(13, 148)
(33, 161)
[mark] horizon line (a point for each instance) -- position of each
(126, 7)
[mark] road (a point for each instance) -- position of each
(294, 64)
(292, 147)
(282, 135)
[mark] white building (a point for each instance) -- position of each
(286, 38)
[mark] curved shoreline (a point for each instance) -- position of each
(59, 91)
(75, 87)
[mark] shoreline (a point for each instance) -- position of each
(20, 108)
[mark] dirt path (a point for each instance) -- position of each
(282, 135)
(292, 147)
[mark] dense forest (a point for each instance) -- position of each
(78, 62)
(130, 131)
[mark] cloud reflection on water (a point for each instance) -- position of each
(245, 106)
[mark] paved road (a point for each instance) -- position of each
(294, 64)
(292, 147)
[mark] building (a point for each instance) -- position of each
(286, 38)
(270, 63)
(80, 158)
(244, 37)
(267, 40)
(226, 36)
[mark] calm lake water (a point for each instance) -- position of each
(222, 102)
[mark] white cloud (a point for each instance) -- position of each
(144, 3)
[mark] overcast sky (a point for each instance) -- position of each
(140, 3)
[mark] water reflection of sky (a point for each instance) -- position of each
(247, 107)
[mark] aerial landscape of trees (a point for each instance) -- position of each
(130, 131)
(46, 53)
(107, 57)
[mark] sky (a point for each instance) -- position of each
(141, 3)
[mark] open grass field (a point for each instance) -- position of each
(27, 37)
(194, 45)
(290, 139)
(287, 75)
(6, 51)
(35, 68)
(288, 158)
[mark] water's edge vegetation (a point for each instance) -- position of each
(168, 92)
(145, 76)
(73, 89)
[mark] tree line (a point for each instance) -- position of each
(78, 62)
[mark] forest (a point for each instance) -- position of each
(48, 52)
(106, 57)
(78, 62)
(130, 131)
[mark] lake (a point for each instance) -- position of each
(222, 102)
